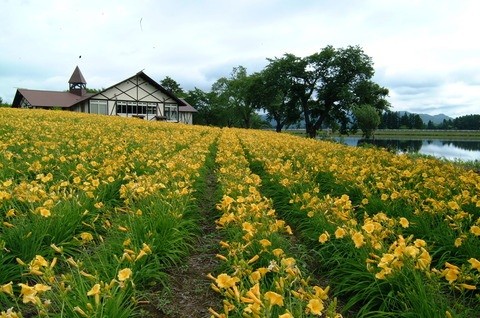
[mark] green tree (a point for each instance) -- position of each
(205, 104)
(4, 104)
(404, 121)
(172, 86)
(329, 83)
(224, 103)
(276, 93)
(390, 120)
(367, 118)
(238, 96)
(468, 122)
(417, 122)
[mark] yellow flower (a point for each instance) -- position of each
(340, 233)
(39, 261)
(404, 222)
(278, 252)
(369, 227)
(265, 242)
(10, 314)
(364, 201)
(255, 276)
(29, 294)
(7, 289)
(286, 315)
(41, 287)
(316, 306)
(358, 239)
(384, 197)
(475, 263)
(420, 243)
(321, 293)
(453, 205)
(423, 262)
(323, 237)
(475, 230)
(94, 291)
(86, 237)
(274, 298)
(44, 212)
(458, 242)
(451, 272)
(124, 274)
(226, 281)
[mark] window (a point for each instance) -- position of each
(152, 108)
(98, 107)
(171, 112)
(134, 108)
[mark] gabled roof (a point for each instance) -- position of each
(147, 78)
(40, 98)
(77, 77)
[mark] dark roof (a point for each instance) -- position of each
(77, 77)
(39, 98)
(187, 108)
(154, 84)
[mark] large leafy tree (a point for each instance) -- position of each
(276, 92)
(327, 84)
(224, 103)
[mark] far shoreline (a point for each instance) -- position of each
(401, 134)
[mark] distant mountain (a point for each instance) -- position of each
(436, 119)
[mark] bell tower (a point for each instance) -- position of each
(77, 83)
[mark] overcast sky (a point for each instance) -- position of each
(426, 52)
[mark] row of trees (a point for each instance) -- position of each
(394, 120)
(468, 122)
(322, 89)
(397, 120)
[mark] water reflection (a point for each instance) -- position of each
(449, 149)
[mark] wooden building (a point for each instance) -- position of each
(138, 96)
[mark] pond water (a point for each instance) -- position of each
(449, 149)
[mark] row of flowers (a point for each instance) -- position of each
(261, 277)
(94, 210)
(403, 213)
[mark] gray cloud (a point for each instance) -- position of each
(424, 51)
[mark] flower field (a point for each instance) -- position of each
(97, 210)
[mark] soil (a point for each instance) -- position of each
(190, 294)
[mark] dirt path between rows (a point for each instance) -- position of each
(190, 293)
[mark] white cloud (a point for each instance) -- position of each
(424, 51)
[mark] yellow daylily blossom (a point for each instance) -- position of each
(315, 306)
(274, 299)
(124, 274)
